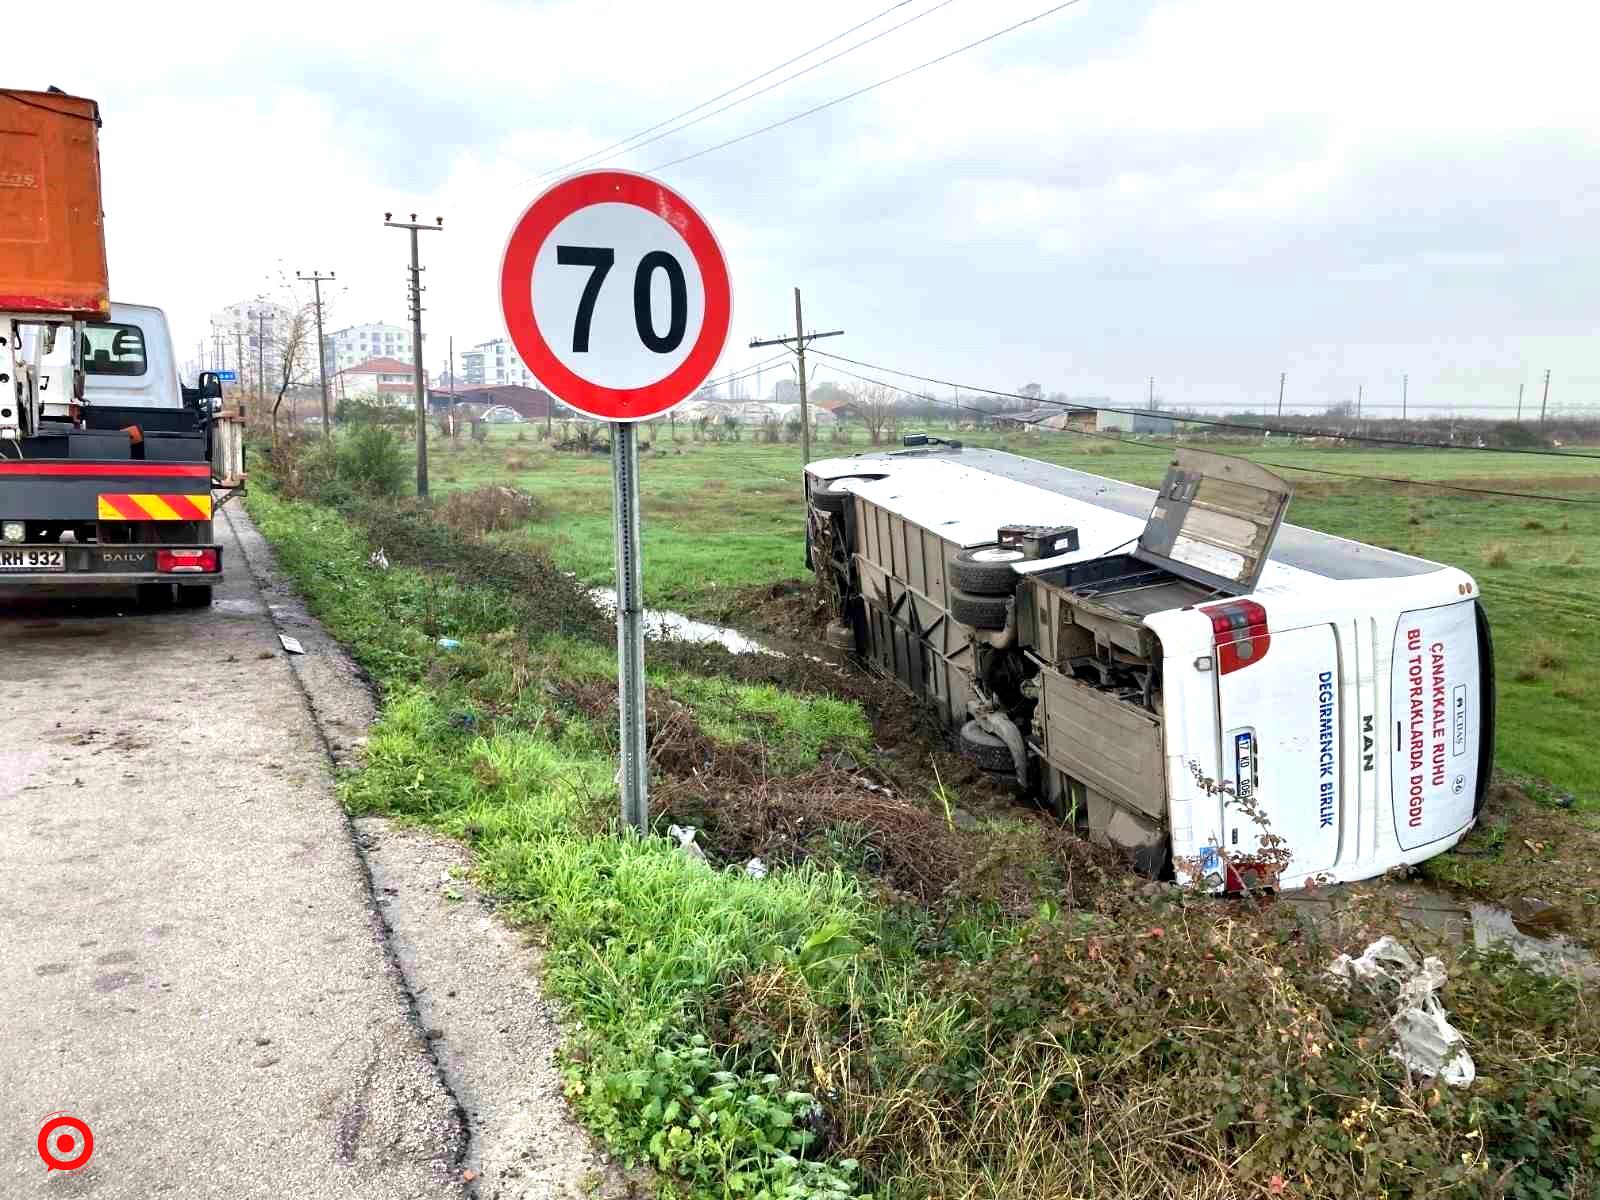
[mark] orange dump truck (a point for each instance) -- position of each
(106, 459)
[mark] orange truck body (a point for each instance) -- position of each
(52, 231)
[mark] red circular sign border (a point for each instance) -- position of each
(547, 211)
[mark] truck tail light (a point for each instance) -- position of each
(1240, 631)
(186, 562)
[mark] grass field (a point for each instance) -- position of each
(934, 993)
(722, 516)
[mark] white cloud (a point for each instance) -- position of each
(1210, 189)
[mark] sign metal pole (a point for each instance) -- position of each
(635, 775)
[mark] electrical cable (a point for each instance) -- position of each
(1172, 415)
(616, 149)
(871, 87)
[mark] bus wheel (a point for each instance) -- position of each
(194, 595)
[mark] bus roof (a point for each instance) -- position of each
(1304, 549)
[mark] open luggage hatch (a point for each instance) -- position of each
(1214, 520)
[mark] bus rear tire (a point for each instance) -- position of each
(196, 595)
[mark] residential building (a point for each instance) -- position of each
(355, 344)
(495, 364)
(386, 380)
(258, 330)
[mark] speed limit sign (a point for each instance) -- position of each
(616, 295)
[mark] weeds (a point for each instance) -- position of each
(901, 1006)
(487, 510)
(1496, 554)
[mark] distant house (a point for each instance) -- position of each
(386, 380)
(1148, 421)
(1082, 420)
(529, 403)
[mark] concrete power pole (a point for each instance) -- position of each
(322, 351)
(416, 345)
(798, 344)
(238, 355)
(261, 359)
(1282, 377)
(1405, 394)
(452, 387)
(1520, 388)
(1545, 403)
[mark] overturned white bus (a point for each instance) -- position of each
(1243, 702)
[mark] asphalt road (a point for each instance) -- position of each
(190, 959)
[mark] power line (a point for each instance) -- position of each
(871, 87)
(1165, 452)
(617, 149)
(1176, 416)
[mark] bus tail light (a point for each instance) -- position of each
(1240, 631)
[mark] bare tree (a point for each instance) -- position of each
(295, 356)
(875, 403)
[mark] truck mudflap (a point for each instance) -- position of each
(69, 566)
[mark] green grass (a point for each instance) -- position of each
(718, 517)
(812, 1035)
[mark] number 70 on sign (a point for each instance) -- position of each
(616, 295)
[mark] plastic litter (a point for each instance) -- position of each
(292, 645)
(684, 836)
(756, 869)
(448, 644)
(1425, 1041)
(379, 559)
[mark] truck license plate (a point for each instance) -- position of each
(33, 560)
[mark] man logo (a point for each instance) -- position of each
(1367, 740)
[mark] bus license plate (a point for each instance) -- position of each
(33, 560)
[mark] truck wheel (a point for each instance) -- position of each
(979, 612)
(986, 570)
(986, 750)
(194, 595)
(154, 596)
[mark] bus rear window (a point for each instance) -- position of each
(113, 350)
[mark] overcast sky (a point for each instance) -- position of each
(1207, 191)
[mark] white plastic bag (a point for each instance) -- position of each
(1425, 1041)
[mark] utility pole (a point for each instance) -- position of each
(261, 360)
(798, 344)
(199, 359)
(1360, 388)
(452, 386)
(416, 345)
(1520, 387)
(322, 351)
(1545, 403)
(1282, 376)
(1405, 392)
(238, 355)
(1152, 393)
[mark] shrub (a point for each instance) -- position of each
(487, 510)
(370, 462)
